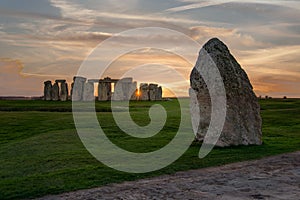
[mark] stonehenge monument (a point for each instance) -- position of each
(108, 89)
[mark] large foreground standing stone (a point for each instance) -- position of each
(243, 121)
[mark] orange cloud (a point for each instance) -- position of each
(14, 83)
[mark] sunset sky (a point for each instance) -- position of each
(49, 39)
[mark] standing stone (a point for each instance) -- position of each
(55, 92)
(77, 89)
(72, 86)
(47, 90)
(104, 89)
(133, 91)
(64, 91)
(88, 92)
(243, 121)
(118, 92)
(123, 90)
(159, 93)
(152, 92)
(144, 92)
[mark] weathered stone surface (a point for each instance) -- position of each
(124, 90)
(47, 90)
(118, 94)
(64, 91)
(159, 93)
(88, 92)
(104, 91)
(153, 91)
(55, 92)
(134, 91)
(60, 81)
(144, 92)
(243, 122)
(77, 89)
(127, 80)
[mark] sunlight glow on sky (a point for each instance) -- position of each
(49, 39)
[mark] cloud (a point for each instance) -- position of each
(263, 35)
(195, 4)
(274, 71)
(277, 86)
(14, 83)
(231, 36)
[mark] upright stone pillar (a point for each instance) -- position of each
(152, 92)
(118, 94)
(88, 92)
(123, 90)
(55, 92)
(133, 91)
(104, 90)
(64, 91)
(77, 90)
(72, 86)
(108, 86)
(144, 92)
(159, 93)
(47, 90)
(242, 121)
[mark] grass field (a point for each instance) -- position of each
(40, 152)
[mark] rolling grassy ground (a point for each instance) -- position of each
(41, 153)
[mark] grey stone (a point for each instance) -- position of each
(153, 91)
(60, 81)
(243, 121)
(93, 80)
(104, 91)
(134, 91)
(127, 80)
(64, 91)
(124, 90)
(47, 90)
(144, 92)
(77, 89)
(159, 93)
(55, 92)
(88, 92)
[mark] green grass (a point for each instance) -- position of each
(40, 152)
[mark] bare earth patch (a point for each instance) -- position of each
(276, 177)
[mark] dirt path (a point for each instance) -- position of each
(276, 177)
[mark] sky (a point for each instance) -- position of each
(49, 39)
